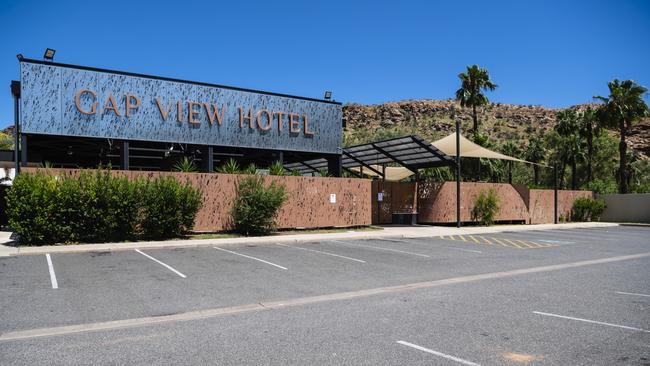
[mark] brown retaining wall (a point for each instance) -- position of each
(308, 205)
(436, 202)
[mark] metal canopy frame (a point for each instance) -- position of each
(411, 152)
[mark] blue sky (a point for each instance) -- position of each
(552, 53)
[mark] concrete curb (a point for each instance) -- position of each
(387, 233)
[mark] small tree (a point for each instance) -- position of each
(486, 207)
(256, 206)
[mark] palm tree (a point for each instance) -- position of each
(535, 153)
(566, 127)
(620, 110)
(573, 153)
(589, 128)
(510, 149)
(473, 83)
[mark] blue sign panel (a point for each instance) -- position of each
(71, 101)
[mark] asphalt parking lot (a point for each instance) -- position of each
(554, 297)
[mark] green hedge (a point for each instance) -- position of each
(95, 206)
(587, 209)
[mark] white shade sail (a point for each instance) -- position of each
(393, 174)
(468, 149)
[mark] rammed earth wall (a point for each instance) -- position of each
(436, 202)
(308, 206)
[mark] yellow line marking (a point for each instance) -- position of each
(462, 238)
(525, 243)
(499, 241)
(473, 238)
(486, 240)
(452, 237)
(513, 243)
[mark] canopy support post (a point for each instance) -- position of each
(555, 194)
(15, 91)
(457, 170)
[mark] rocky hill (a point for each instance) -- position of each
(431, 119)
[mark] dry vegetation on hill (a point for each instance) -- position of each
(430, 119)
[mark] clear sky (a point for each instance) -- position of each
(552, 53)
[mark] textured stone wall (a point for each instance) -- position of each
(437, 201)
(541, 204)
(308, 205)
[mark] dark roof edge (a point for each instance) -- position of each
(126, 73)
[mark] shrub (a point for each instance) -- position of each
(276, 169)
(168, 207)
(251, 169)
(323, 173)
(31, 204)
(95, 207)
(44, 208)
(186, 165)
(587, 209)
(231, 166)
(486, 207)
(256, 206)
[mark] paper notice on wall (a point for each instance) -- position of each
(380, 196)
(333, 198)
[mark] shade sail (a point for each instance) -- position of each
(393, 173)
(468, 149)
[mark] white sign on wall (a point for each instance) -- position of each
(333, 198)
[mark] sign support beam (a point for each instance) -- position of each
(124, 155)
(208, 159)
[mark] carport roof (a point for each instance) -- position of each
(411, 152)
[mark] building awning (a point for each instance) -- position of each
(411, 152)
(468, 149)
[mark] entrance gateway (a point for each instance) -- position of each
(82, 117)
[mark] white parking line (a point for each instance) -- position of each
(380, 248)
(161, 263)
(439, 354)
(632, 293)
(592, 321)
(253, 258)
(321, 252)
(465, 250)
(55, 284)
